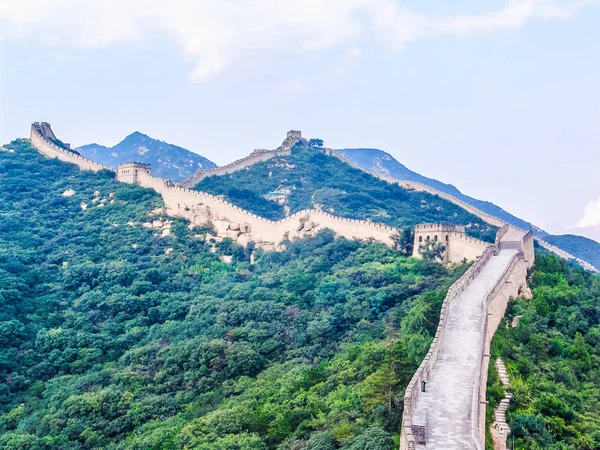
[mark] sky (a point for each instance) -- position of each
(501, 99)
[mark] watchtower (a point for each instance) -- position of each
(436, 232)
(129, 172)
(294, 134)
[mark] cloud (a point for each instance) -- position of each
(291, 86)
(58, 56)
(591, 215)
(213, 34)
(353, 54)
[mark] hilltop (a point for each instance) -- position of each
(309, 178)
(168, 160)
(379, 162)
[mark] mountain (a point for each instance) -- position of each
(582, 247)
(309, 178)
(115, 335)
(168, 160)
(380, 162)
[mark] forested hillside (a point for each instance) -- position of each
(584, 248)
(378, 161)
(309, 178)
(113, 337)
(553, 359)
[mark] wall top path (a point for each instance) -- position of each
(445, 413)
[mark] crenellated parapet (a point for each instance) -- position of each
(225, 218)
(43, 139)
(256, 156)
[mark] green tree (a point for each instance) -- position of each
(432, 250)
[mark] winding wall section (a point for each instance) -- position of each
(227, 219)
(444, 404)
(50, 149)
(240, 164)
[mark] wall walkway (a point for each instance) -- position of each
(442, 403)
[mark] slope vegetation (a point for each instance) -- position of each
(378, 161)
(113, 337)
(586, 249)
(309, 178)
(552, 352)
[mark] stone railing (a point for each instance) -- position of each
(500, 234)
(50, 149)
(409, 440)
(239, 164)
(476, 404)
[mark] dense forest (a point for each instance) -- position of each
(115, 336)
(314, 178)
(553, 359)
(582, 247)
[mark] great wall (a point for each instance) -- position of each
(444, 404)
(256, 156)
(226, 219)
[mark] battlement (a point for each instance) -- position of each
(439, 227)
(43, 139)
(294, 134)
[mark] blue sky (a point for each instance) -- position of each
(502, 99)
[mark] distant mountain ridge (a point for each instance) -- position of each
(168, 160)
(380, 162)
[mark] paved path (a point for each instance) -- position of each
(448, 400)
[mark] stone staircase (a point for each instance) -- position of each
(500, 429)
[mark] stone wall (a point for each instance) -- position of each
(408, 439)
(129, 173)
(229, 220)
(240, 164)
(50, 149)
(511, 283)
